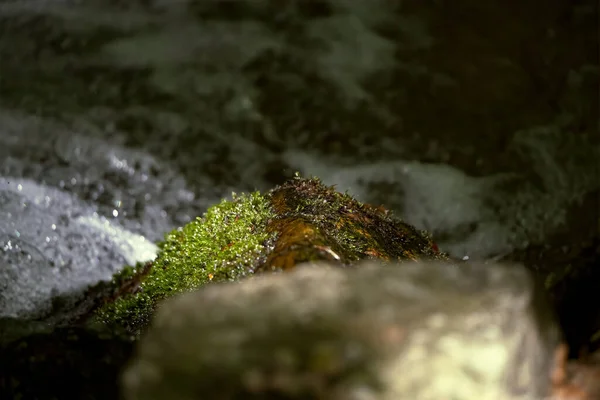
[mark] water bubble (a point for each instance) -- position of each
(8, 197)
(18, 251)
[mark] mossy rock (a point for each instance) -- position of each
(301, 220)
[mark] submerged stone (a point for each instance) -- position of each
(420, 330)
(299, 221)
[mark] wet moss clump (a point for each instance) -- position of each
(299, 221)
(225, 244)
(316, 222)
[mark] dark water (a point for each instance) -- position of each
(122, 120)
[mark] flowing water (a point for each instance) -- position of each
(120, 121)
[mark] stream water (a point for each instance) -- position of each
(121, 120)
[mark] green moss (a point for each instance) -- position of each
(301, 220)
(225, 244)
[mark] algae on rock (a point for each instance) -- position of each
(299, 221)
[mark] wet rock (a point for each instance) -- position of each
(301, 220)
(314, 221)
(418, 330)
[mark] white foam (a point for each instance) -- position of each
(133, 247)
(182, 41)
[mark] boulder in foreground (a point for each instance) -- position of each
(417, 330)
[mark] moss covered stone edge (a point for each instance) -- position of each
(225, 244)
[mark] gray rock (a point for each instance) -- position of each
(411, 331)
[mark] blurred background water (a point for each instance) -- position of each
(121, 120)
